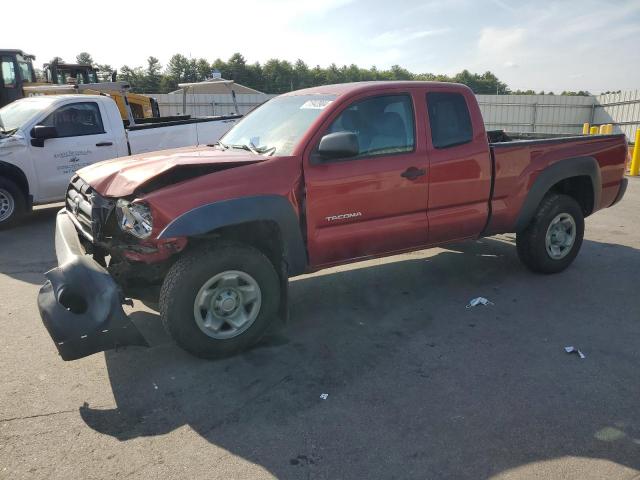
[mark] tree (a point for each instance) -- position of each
(104, 72)
(203, 70)
(279, 76)
(237, 69)
(153, 75)
(135, 77)
(581, 93)
(178, 68)
(301, 75)
(85, 58)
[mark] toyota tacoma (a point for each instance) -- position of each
(311, 179)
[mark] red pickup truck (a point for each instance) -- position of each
(311, 179)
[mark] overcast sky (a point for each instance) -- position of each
(545, 45)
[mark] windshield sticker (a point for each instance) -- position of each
(315, 104)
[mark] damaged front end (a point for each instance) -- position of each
(81, 304)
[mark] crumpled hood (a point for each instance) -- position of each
(122, 176)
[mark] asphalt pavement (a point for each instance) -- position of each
(417, 385)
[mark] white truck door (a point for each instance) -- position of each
(83, 137)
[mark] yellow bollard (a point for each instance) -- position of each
(635, 160)
(593, 131)
(585, 128)
(603, 129)
(610, 132)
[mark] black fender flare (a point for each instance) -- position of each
(567, 168)
(226, 213)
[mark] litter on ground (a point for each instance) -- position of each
(324, 396)
(479, 301)
(571, 349)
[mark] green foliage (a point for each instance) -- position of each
(104, 72)
(84, 58)
(581, 93)
(279, 76)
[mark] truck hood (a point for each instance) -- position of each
(121, 177)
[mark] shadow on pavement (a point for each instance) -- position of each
(417, 384)
(34, 234)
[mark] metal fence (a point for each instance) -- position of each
(621, 109)
(202, 105)
(536, 113)
(554, 114)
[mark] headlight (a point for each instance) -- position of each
(134, 218)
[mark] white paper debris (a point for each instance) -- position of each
(324, 396)
(479, 301)
(571, 349)
(155, 387)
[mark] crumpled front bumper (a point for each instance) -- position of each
(81, 304)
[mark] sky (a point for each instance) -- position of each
(543, 45)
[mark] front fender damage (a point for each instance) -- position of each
(81, 307)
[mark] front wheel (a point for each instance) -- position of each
(218, 301)
(12, 203)
(552, 240)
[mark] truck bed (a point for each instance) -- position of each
(149, 137)
(517, 163)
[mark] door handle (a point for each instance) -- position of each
(412, 173)
(104, 144)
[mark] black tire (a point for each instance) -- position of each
(10, 192)
(531, 244)
(189, 273)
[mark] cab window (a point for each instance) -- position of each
(449, 119)
(384, 125)
(76, 119)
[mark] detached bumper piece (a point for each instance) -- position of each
(81, 304)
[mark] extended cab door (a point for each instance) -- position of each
(375, 202)
(82, 139)
(459, 165)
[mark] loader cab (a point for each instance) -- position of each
(60, 73)
(16, 71)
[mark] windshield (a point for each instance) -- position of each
(278, 125)
(17, 113)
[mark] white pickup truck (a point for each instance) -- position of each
(45, 139)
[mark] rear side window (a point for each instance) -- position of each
(449, 119)
(384, 125)
(76, 120)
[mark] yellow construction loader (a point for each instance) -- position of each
(18, 79)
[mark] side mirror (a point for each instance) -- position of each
(40, 133)
(339, 145)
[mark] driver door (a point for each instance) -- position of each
(376, 202)
(81, 141)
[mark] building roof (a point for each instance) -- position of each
(219, 87)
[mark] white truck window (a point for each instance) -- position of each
(76, 120)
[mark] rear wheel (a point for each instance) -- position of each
(12, 203)
(218, 301)
(552, 240)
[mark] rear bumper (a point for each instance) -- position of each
(81, 304)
